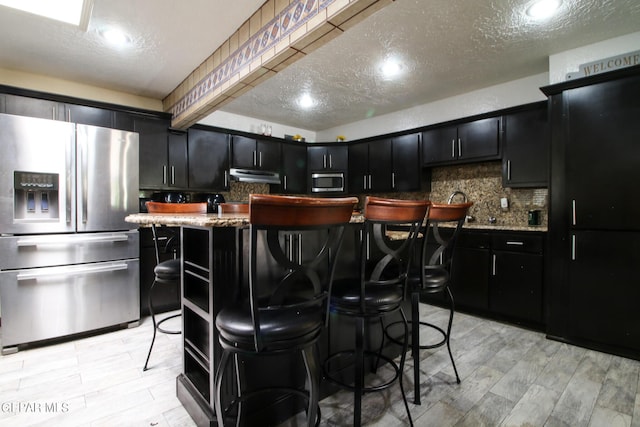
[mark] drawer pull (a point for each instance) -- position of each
(514, 243)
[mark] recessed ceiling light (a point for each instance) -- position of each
(115, 36)
(306, 101)
(76, 12)
(543, 9)
(391, 68)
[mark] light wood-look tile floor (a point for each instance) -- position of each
(510, 377)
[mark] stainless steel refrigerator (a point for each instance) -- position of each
(69, 263)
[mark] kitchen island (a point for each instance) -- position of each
(214, 271)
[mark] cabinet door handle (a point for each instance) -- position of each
(226, 178)
(369, 182)
(453, 148)
(508, 170)
(285, 182)
(493, 265)
(173, 175)
(324, 161)
(254, 158)
(459, 147)
(573, 212)
(164, 174)
(393, 180)
(515, 243)
(260, 159)
(330, 162)
(364, 182)
(68, 114)
(573, 247)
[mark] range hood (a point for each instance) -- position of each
(253, 175)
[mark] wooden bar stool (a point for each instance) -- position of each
(376, 291)
(166, 273)
(294, 243)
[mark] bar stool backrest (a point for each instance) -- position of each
(385, 261)
(294, 243)
(441, 236)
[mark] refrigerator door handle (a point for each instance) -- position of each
(121, 237)
(83, 178)
(69, 271)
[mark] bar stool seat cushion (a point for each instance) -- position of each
(435, 280)
(280, 329)
(345, 297)
(168, 270)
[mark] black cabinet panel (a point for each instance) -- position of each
(603, 154)
(603, 287)
(250, 153)
(327, 157)
(380, 165)
(33, 107)
(525, 161)
(516, 285)
(471, 141)
(358, 168)
(407, 168)
(294, 169)
(470, 272)
(154, 143)
(89, 115)
(177, 159)
(208, 160)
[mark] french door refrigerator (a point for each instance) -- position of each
(69, 263)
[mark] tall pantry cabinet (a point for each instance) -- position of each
(594, 227)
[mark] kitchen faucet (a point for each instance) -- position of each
(454, 194)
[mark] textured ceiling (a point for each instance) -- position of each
(170, 39)
(450, 47)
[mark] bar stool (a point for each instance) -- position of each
(166, 273)
(225, 208)
(294, 243)
(432, 276)
(377, 291)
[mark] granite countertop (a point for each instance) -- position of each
(239, 220)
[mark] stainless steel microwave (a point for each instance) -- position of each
(327, 182)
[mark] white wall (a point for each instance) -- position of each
(249, 124)
(569, 61)
(513, 93)
(52, 85)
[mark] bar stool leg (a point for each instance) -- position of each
(415, 345)
(155, 326)
(359, 372)
(449, 333)
(310, 358)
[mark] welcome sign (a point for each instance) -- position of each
(608, 64)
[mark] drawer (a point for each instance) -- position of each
(474, 240)
(517, 242)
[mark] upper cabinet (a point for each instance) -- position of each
(388, 164)
(525, 158)
(477, 140)
(327, 157)
(157, 169)
(52, 110)
(250, 153)
(208, 153)
(293, 169)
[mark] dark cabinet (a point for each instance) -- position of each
(163, 154)
(293, 170)
(250, 153)
(471, 141)
(52, 110)
(327, 157)
(595, 243)
(525, 158)
(470, 271)
(517, 276)
(385, 165)
(603, 288)
(370, 166)
(208, 153)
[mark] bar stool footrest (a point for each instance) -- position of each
(330, 376)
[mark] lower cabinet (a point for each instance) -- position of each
(499, 274)
(165, 298)
(516, 276)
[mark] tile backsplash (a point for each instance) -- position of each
(481, 182)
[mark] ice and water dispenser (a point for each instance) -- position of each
(36, 196)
